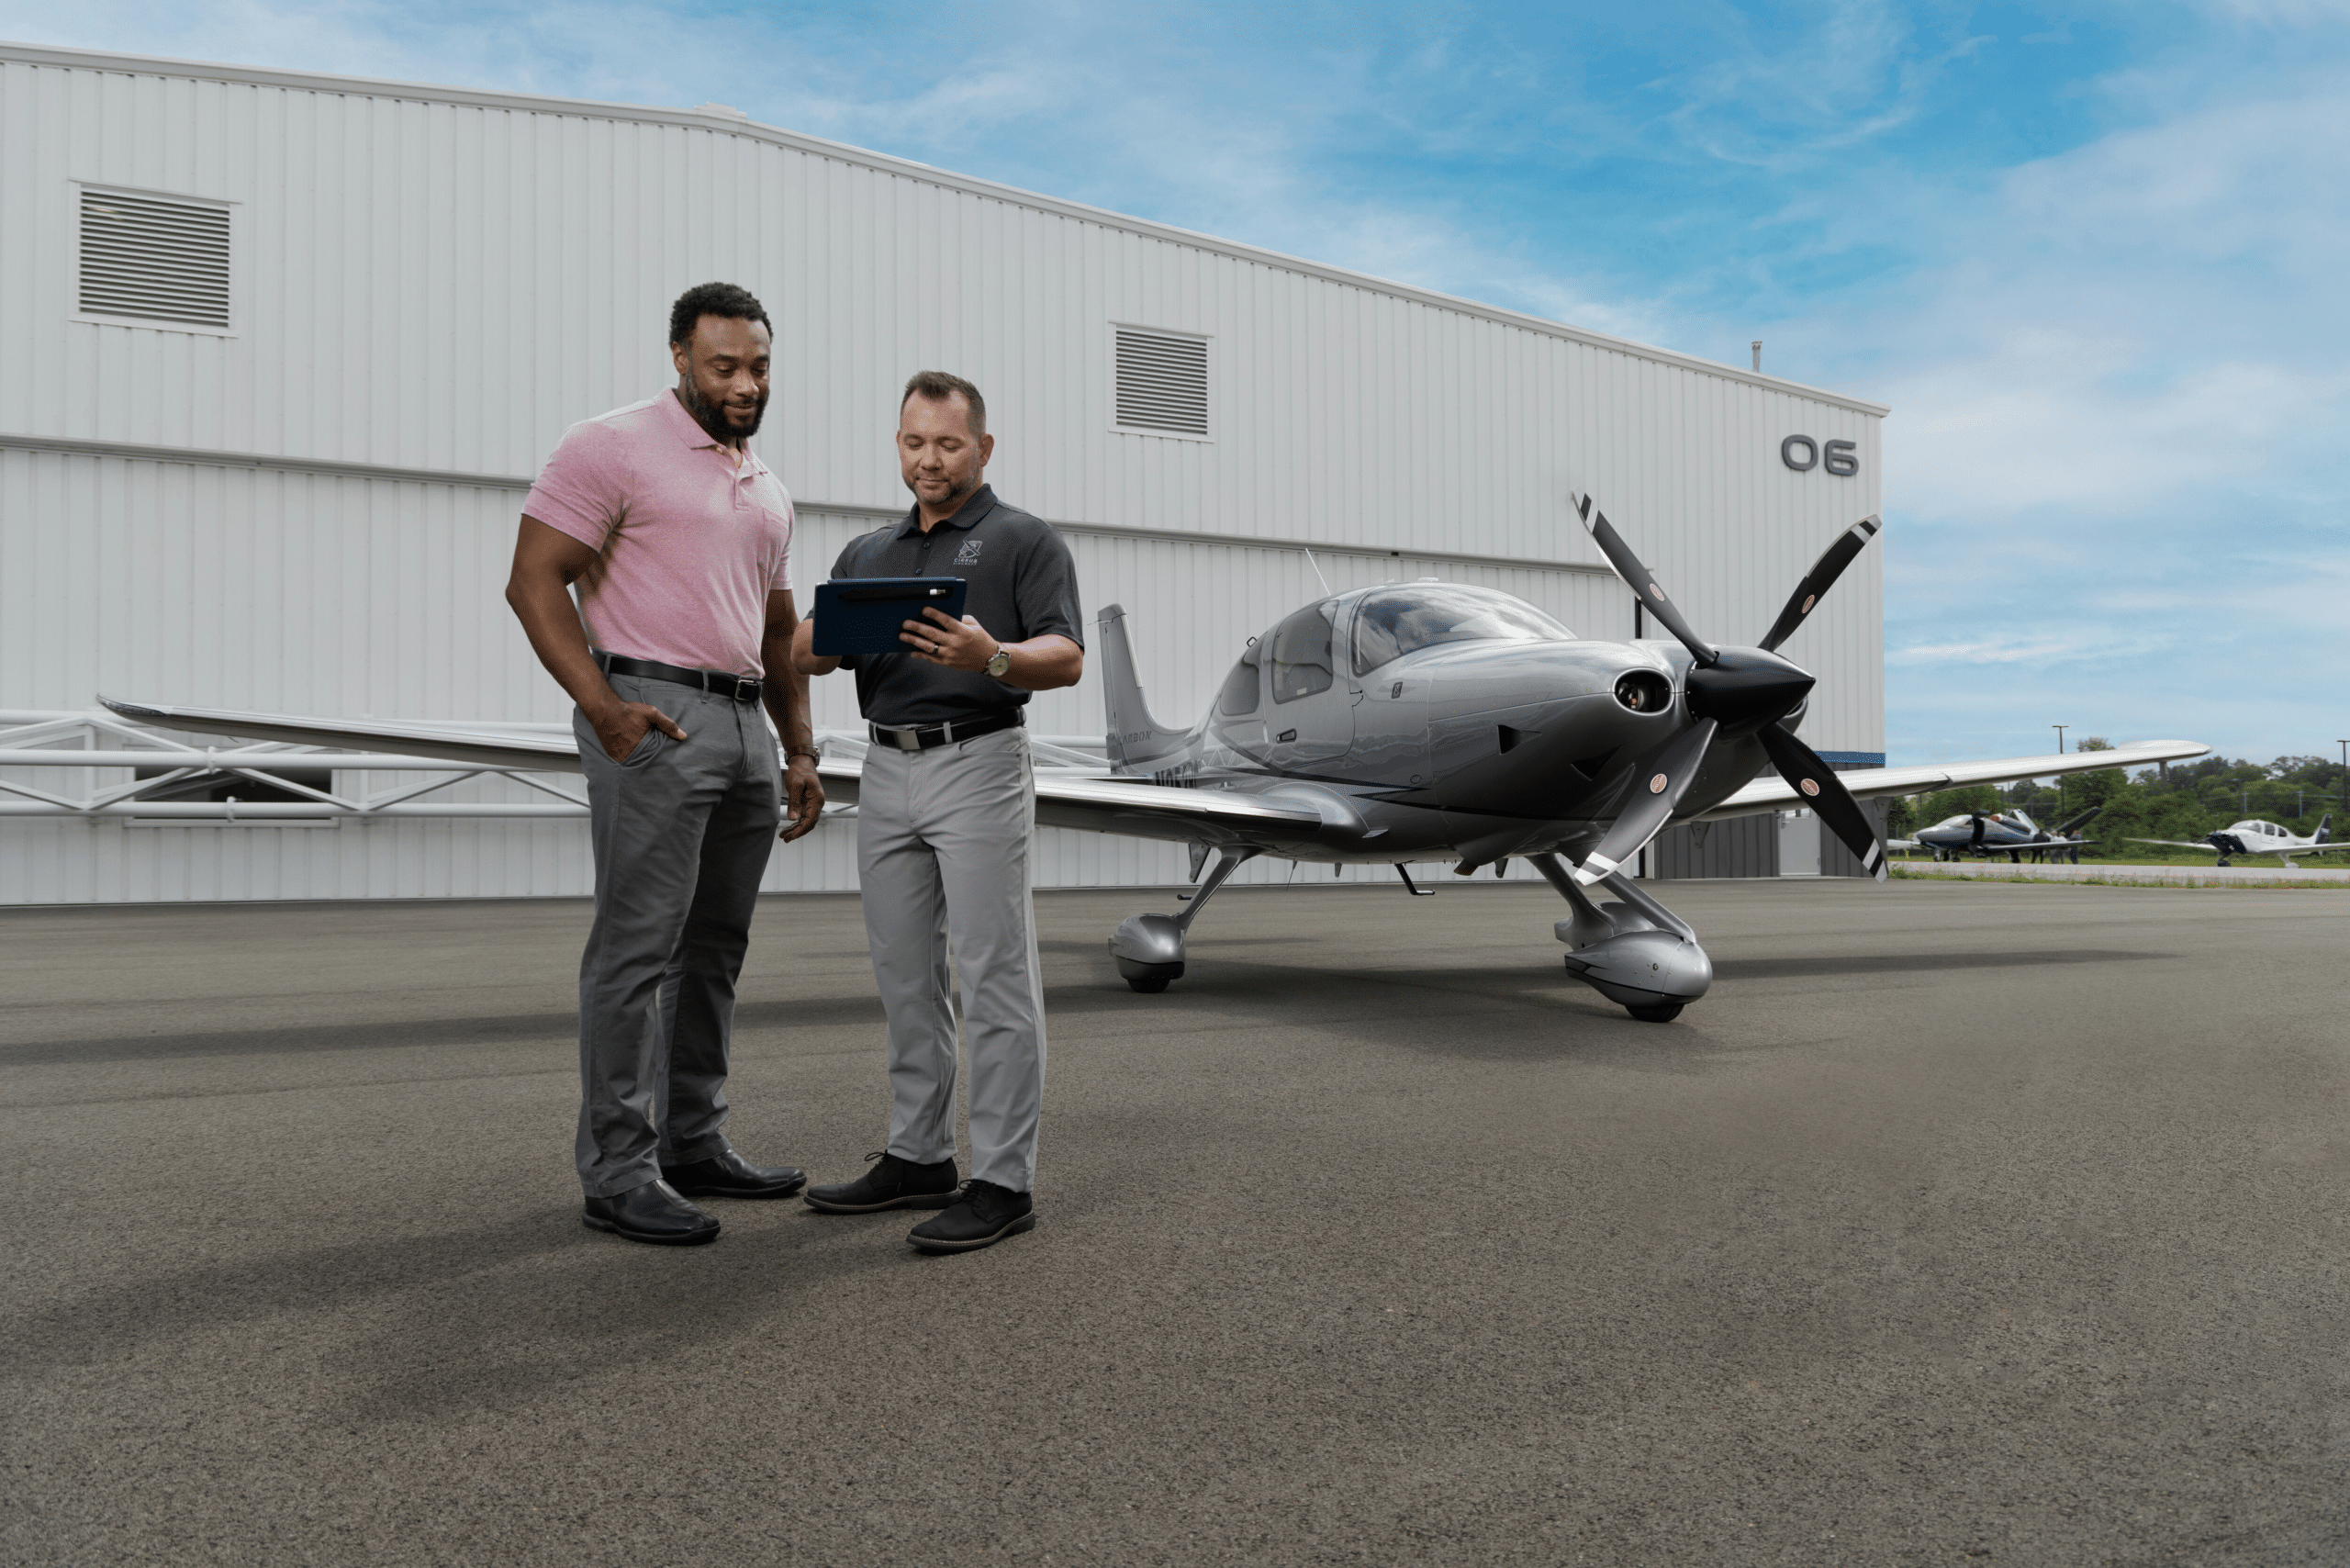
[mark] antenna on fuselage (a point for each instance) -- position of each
(1318, 571)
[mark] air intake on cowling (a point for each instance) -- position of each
(151, 259)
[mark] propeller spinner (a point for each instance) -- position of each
(1734, 692)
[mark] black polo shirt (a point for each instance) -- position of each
(1023, 584)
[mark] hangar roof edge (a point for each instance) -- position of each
(256, 75)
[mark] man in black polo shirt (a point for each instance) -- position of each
(946, 812)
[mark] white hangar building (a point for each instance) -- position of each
(281, 353)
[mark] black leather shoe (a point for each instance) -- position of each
(730, 1175)
(653, 1212)
(983, 1213)
(895, 1184)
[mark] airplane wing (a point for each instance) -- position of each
(2180, 843)
(1869, 783)
(1165, 811)
(1099, 805)
(1132, 808)
(523, 749)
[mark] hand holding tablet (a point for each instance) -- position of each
(866, 615)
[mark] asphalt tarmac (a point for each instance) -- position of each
(1961, 1224)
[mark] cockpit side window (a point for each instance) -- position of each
(1400, 621)
(1238, 698)
(1302, 661)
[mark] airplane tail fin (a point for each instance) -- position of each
(2325, 830)
(1135, 741)
(2075, 825)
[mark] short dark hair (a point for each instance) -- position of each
(714, 299)
(938, 388)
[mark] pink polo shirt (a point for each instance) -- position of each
(694, 541)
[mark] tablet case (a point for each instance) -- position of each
(865, 615)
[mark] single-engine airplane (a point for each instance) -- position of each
(1413, 723)
(2013, 834)
(2250, 837)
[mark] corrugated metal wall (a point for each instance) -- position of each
(1741, 847)
(444, 281)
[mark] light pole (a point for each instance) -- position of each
(2060, 730)
(2345, 779)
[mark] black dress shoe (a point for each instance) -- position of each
(983, 1215)
(895, 1184)
(651, 1213)
(730, 1175)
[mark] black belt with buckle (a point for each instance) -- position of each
(923, 737)
(740, 687)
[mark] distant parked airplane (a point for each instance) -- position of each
(2250, 837)
(2013, 834)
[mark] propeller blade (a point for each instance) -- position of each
(1818, 580)
(1638, 578)
(1816, 781)
(1663, 777)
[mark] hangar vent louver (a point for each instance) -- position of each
(1162, 383)
(152, 258)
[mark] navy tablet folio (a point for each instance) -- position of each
(864, 615)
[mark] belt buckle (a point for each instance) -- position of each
(908, 738)
(746, 689)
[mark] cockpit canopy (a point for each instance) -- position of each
(1391, 622)
(1298, 657)
(2271, 829)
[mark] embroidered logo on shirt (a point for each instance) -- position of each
(970, 554)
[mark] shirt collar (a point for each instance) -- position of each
(689, 430)
(969, 515)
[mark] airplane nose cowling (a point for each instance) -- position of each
(1747, 686)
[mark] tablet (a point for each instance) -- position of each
(865, 615)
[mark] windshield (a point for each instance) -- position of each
(1395, 622)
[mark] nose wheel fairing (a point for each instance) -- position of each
(1637, 953)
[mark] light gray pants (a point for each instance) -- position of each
(942, 843)
(682, 831)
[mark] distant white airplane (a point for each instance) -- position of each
(2250, 837)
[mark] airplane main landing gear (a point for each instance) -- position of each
(1638, 953)
(1150, 947)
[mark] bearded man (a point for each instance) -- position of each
(946, 816)
(679, 539)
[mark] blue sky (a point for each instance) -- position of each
(2097, 256)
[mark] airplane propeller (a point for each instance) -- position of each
(1733, 691)
(1664, 777)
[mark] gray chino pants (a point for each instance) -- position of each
(942, 851)
(682, 831)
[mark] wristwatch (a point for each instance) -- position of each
(1001, 664)
(812, 753)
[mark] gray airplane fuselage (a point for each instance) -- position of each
(1473, 750)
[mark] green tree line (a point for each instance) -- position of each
(2181, 801)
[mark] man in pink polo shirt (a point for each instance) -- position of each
(679, 540)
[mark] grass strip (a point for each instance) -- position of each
(2010, 878)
